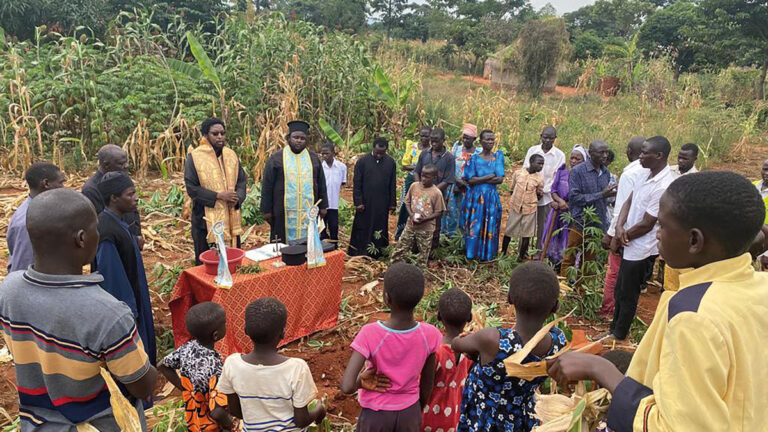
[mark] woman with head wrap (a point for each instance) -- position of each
(462, 151)
(555, 234)
(118, 258)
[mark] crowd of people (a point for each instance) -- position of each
(697, 368)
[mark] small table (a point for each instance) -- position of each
(311, 296)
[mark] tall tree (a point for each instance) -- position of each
(674, 30)
(542, 46)
(609, 18)
(746, 20)
(391, 12)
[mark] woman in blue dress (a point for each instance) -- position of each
(481, 213)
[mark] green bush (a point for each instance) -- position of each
(736, 86)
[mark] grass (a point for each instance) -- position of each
(518, 120)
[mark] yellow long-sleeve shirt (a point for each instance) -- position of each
(701, 364)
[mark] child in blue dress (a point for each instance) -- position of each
(493, 401)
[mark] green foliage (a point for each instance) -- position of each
(250, 210)
(170, 417)
(166, 277)
(587, 279)
(92, 92)
(543, 45)
(169, 203)
(165, 345)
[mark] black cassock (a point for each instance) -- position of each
(273, 191)
(374, 187)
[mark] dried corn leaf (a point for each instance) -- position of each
(531, 370)
(125, 413)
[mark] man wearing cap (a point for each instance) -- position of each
(462, 152)
(118, 258)
(292, 183)
(216, 183)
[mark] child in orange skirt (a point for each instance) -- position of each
(454, 310)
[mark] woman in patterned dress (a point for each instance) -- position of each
(481, 213)
(463, 150)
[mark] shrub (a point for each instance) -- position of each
(543, 45)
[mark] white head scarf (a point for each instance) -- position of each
(581, 150)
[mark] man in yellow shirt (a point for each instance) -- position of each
(700, 365)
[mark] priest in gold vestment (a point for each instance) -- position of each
(215, 182)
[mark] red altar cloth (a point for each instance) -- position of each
(312, 297)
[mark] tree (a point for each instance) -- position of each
(609, 18)
(747, 23)
(629, 54)
(673, 30)
(391, 12)
(334, 14)
(542, 46)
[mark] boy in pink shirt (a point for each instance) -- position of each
(400, 356)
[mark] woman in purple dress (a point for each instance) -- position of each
(555, 229)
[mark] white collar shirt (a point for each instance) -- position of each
(335, 177)
(645, 199)
(553, 159)
(676, 170)
(629, 178)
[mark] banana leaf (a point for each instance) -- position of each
(331, 133)
(203, 61)
(185, 68)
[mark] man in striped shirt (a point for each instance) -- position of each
(61, 327)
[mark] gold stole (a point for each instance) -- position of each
(218, 174)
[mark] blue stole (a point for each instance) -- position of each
(299, 192)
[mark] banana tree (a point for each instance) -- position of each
(205, 65)
(353, 143)
(629, 54)
(395, 99)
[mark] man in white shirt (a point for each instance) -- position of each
(554, 158)
(636, 232)
(335, 177)
(627, 181)
(686, 160)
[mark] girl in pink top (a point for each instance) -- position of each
(400, 357)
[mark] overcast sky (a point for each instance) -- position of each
(562, 6)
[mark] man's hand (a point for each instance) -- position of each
(268, 218)
(140, 241)
(606, 243)
(615, 242)
(322, 213)
(392, 209)
(372, 381)
(360, 208)
(227, 196)
(555, 205)
(610, 190)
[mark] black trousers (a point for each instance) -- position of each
(199, 238)
(331, 230)
(629, 282)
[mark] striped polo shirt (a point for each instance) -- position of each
(60, 330)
